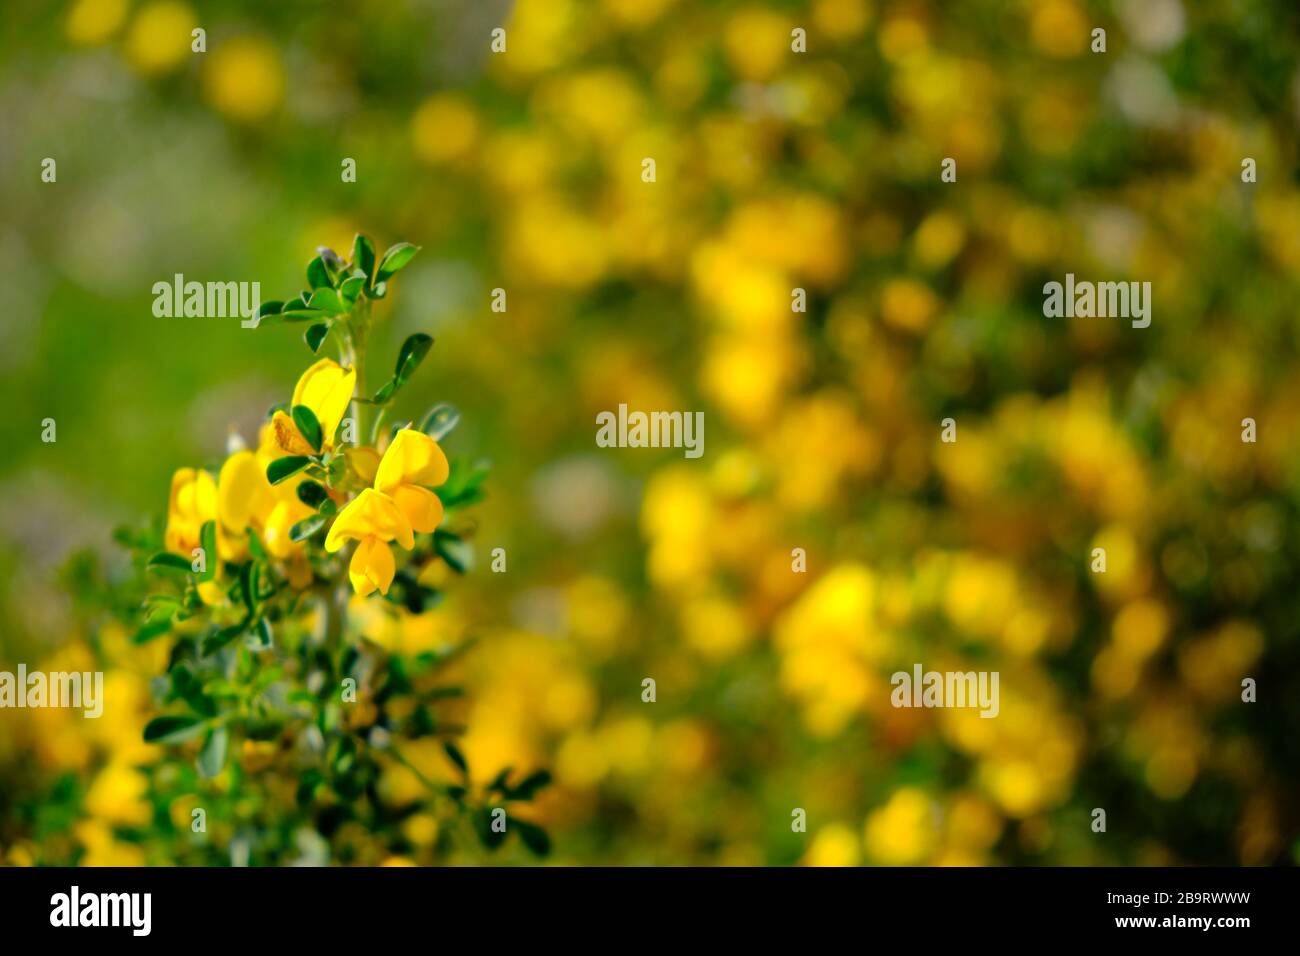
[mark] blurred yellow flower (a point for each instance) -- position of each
(193, 502)
(94, 21)
(904, 832)
(244, 79)
(159, 37)
(443, 129)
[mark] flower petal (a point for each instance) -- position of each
(372, 567)
(412, 459)
(326, 388)
(370, 514)
(422, 508)
(244, 496)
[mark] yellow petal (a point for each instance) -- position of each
(364, 461)
(244, 496)
(287, 436)
(422, 508)
(280, 522)
(212, 593)
(370, 514)
(412, 459)
(326, 388)
(193, 501)
(372, 567)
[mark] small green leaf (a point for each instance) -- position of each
(282, 468)
(456, 756)
(312, 493)
(534, 837)
(307, 527)
(318, 276)
(151, 630)
(351, 288)
(302, 315)
(308, 426)
(327, 300)
(248, 585)
(170, 730)
(440, 420)
(208, 541)
(527, 788)
(220, 638)
(414, 349)
(269, 308)
(263, 634)
(395, 259)
(170, 562)
(212, 758)
(315, 335)
(255, 546)
(454, 550)
(487, 834)
(363, 256)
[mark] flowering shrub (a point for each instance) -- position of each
(280, 717)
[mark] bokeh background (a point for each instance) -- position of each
(775, 170)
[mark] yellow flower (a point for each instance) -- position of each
(245, 499)
(372, 519)
(372, 567)
(245, 79)
(159, 38)
(413, 460)
(193, 502)
(326, 388)
(94, 21)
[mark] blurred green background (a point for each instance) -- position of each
(775, 170)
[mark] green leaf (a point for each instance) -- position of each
(282, 468)
(255, 546)
(318, 276)
(395, 259)
(220, 638)
(269, 308)
(208, 541)
(465, 484)
(456, 756)
(212, 758)
(170, 562)
(440, 420)
(248, 584)
(302, 315)
(170, 730)
(327, 300)
(312, 493)
(264, 635)
(308, 426)
(488, 836)
(315, 335)
(363, 256)
(414, 349)
(534, 837)
(527, 788)
(151, 630)
(351, 288)
(455, 551)
(307, 527)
